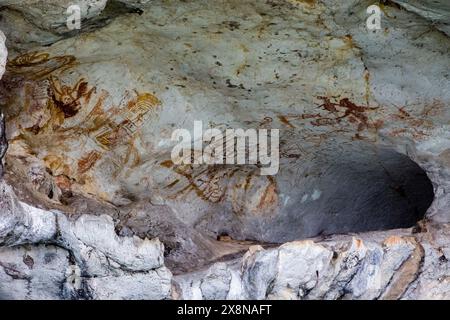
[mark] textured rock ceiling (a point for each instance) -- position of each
(363, 120)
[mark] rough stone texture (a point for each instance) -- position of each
(390, 265)
(32, 272)
(29, 23)
(88, 173)
(52, 15)
(83, 258)
(116, 130)
(154, 285)
(436, 11)
(3, 54)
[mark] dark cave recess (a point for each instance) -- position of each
(354, 188)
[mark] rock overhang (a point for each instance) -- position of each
(339, 94)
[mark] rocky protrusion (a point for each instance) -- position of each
(97, 262)
(375, 266)
(3, 141)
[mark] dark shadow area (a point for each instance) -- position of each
(354, 188)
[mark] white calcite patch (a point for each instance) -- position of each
(316, 194)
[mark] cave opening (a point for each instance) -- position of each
(361, 188)
(385, 190)
(351, 188)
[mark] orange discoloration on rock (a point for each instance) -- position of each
(349, 44)
(167, 163)
(269, 197)
(56, 164)
(393, 240)
(88, 161)
(242, 66)
(367, 83)
(224, 238)
(63, 182)
(433, 108)
(29, 59)
(248, 181)
(285, 121)
(39, 65)
(359, 244)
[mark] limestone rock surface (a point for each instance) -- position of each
(92, 206)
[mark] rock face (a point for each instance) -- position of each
(371, 266)
(53, 258)
(88, 176)
(437, 12)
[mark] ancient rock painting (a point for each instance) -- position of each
(88, 161)
(359, 122)
(67, 99)
(38, 65)
(76, 116)
(334, 114)
(342, 117)
(72, 109)
(242, 187)
(344, 110)
(416, 125)
(254, 194)
(124, 121)
(207, 182)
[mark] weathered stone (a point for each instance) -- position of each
(32, 272)
(153, 285)
(88, 172)
(343, 267)
(99, 259)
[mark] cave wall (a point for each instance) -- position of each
(359, 113)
